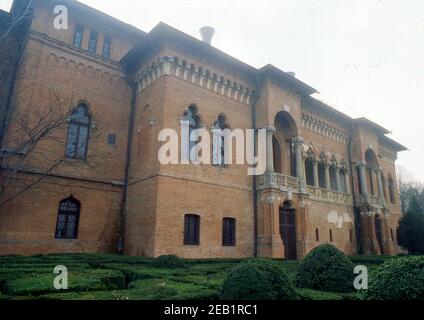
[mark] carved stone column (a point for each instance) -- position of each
(347, 181)
(380, 184)
(316, 176)
(363, 177)
(269, 149)
(300, 164)
(338, 184)
(297, 143)
(327, 176)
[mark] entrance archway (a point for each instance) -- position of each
(288, 229)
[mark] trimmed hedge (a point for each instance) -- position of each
(258, 280)
(169, 262)
(397, 279)
(326, 269)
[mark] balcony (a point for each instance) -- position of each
(278, 181)
(369, 201)
(293, 184)
(327, 195)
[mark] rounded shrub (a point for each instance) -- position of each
(397, 279)
(258, 280)
(169, 262)
(326, 269)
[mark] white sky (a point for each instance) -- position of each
(365, 57)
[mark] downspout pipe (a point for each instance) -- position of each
(356, 210)
(124, 203)
(255, 191)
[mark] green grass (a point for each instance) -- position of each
(113, 277)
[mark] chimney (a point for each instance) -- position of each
(207, 33)
(291, 73)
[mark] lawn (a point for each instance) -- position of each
(112, 277)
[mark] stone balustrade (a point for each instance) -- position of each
(293, 184)
(278, 181)
(369, 201)
(327, 195)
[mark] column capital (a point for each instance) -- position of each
(361, 163)
(297, 141)
(378, 170)
(269, 130)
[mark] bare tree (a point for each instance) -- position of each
(36, 143)
(409, 189)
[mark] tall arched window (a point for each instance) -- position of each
(219, 142)
(333, 177)
(68, 219)
(309, 169)
(278, 166)
(321, 175)
(342, 174)
(192, 118)
(78, 133)
(331, 235)
(317, 234)
(392, 190)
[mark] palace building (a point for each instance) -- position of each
(94, 183)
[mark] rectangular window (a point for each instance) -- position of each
(191, 230)
(229, 232)
(107, 44)
(92, 43)
(111, 139)
(78, 36)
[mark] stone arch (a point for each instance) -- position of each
(144, 133)
(310, 159)
(288, 229)
(285, 131)
(371, 165)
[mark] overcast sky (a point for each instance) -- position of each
(365, 57)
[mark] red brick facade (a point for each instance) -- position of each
(332, 179)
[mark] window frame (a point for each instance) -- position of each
(107, 39)
(93, 32)
(79, 124)
(77, 219)
(191, 239)
(79, 28)
(229, 232)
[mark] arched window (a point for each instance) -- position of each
(192, 119)
(219, 142)
(384, 180)
(317, 234)
(78, 133)
(333, 177)
(278, 166)
(342, 177)
(321, 175)
(392, 190)
(371, 179)
(331, 235)
(191, 230)
(68, 219)
(350, 235)
(392, 236)
(309, 168)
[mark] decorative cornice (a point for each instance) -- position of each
(387, 156)
(325, 129)
(166, 65)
